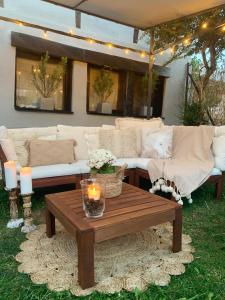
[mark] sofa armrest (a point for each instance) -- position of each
(3, 159)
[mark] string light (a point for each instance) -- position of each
(109, 45)
(19, 73)
(71, 32)
(204, 25)
(186, 42)
(45, 34)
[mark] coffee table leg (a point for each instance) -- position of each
(50, 223)
(85, 244)
(177, 230)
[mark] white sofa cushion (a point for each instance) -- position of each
(157, 143)
(218, 149)
(219, 130)
(81, 167)
(78, 134)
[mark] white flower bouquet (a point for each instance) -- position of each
(101, 162)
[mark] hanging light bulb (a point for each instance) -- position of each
(127, 51)
(223, 28)
(204, 25)
(20, 23)
(109, 45)
(91, 41)
(142, 54)
(161, 52)
(172, 49)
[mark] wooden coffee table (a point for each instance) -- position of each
(134, 210)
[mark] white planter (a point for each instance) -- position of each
(104, 108)
(47, 103)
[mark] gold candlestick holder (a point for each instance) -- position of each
(28, 220)
(14, 221)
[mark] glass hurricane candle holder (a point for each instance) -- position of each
(93, 196)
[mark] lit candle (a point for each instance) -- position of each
(10, 174)
(26, 181)
(94, 192)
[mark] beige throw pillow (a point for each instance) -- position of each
(122, 143)
(157, 143)
(44, 153)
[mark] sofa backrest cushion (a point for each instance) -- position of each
(76, 133)
(219, 130)
(3, 132)
(44, 152)
(218, 149)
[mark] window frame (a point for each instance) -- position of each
(67, 83)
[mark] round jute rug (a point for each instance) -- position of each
(128, 262)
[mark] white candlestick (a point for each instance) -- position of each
(26, 181)
(10, 174)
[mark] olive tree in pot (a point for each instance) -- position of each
(143, 93)
(103, 88)
(46, 82)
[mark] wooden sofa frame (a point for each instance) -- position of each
(133, 177)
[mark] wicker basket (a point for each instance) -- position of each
(113, 181)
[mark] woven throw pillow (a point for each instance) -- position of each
(157, 143)
(122, 143)
(8, 148)
(44, 153)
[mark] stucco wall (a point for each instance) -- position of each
(42, 13)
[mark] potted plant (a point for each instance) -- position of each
(47, 83)
(102, 166)
(143, 95)
(103, 88)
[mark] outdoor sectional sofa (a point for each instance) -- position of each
(61, 174)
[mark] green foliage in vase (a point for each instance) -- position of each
(47, 82)
(103, 85)
(106, 169)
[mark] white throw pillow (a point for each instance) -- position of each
(8, 148)
(92, 141)
(157, 143)
(76, 133)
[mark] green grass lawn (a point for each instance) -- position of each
(204, 278)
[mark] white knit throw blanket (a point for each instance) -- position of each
(191, 163)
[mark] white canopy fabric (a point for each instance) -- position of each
(141, 14)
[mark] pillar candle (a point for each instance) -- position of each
(10, 174)
(26, 181)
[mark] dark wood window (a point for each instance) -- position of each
(29, 97)
(127, 95)
(105, 91)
